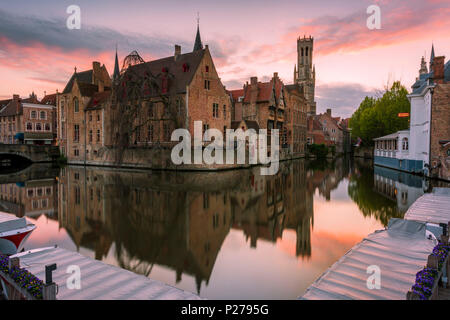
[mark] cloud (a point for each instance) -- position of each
(401, 22)
(27, 31)
(342, 98)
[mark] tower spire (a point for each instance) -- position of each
(423, 67)
(116, 73)
(198, 41)
(432, 56)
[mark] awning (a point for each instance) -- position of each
(19, 136)
(38, 136)
(399, 252)
(431, 207)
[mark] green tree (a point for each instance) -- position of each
(377, 117)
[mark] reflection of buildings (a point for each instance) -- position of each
(82, 209)
(268, 205)
(180, 220)
(32, 198)
(400, 187)
(326, 176)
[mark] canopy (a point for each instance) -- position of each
(99, 281)
(431, 207)
(399, 252)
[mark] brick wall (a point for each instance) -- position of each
(440, 121)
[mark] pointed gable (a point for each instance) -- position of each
(81, 77)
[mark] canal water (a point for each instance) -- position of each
(227, 235)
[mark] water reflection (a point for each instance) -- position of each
(232, 234)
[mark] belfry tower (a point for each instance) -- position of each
(305, 72)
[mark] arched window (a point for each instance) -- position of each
(33, 114)
(38, 127)
(76, 104)
(43, 115)
(29, 126)
(47, 127)
(405, 145)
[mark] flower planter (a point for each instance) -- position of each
(428, 279)
(20, 283)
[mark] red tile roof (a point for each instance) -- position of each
(235, 94)
(265, 90)
(49, 99)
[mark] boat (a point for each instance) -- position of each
(14, 232)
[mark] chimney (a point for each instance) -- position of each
(16, 97)
(96, 66)
(177, 52)
(438, 69)
(275, 75)
(253, 80)
(329, 112)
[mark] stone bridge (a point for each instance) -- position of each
(27, 152)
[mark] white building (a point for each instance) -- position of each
(409, 150)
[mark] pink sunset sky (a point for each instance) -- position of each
(247, 38)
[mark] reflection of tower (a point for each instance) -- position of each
(304, 72)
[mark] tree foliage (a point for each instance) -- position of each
(378, 117)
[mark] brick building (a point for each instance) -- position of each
(236, 97)
(27, 121)
(440, 119)
(316, 133)
(71, 110)
(296, 114)
(334, 132)
(422, 148)
(272, 105)
(187, 88)
(264, 103)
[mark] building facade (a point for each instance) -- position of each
(72, 112)
(27, 121)
(420, 149)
